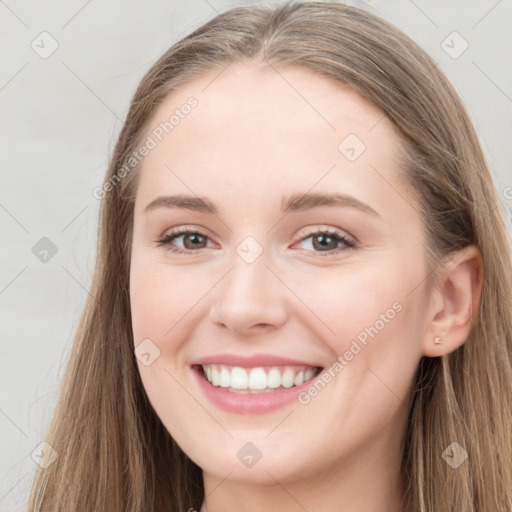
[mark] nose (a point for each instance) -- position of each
(250, 299)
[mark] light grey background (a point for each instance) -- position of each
(60, 118)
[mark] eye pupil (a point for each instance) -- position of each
(192, 236)
(325, 241)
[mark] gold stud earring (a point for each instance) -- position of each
(438, 341)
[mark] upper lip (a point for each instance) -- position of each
(252, 361)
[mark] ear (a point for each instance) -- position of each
(454, 303)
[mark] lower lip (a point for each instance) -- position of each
(241, 403)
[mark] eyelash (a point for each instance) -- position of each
(169, 237)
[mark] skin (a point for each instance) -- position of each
(253, 138)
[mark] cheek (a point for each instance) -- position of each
(163, 311)
(162, 299)
(370, 323)
(344, 302)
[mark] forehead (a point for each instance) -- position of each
(267, 129)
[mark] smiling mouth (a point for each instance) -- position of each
(261, 379)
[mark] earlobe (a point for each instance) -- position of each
(459, 292)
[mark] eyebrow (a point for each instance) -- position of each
(295, 202)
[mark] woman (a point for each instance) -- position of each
(303, 289)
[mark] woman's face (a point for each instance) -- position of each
(305, 254)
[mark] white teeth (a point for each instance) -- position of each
(274, 378)
(308, 374)
(256, 380)
(239, 378)
(225, 378)
(287, 378)
(215, 380)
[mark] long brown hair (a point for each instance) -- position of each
(115, 455)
